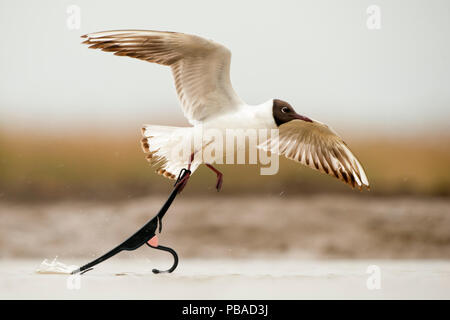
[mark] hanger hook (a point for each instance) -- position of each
(172, 252)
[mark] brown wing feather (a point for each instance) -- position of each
(318, 147)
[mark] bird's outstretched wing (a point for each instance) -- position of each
(317, 146)
(200, 67)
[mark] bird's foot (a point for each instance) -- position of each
(219, 182)
(182, 181)
(219, 177)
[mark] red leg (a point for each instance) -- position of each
(219, 176)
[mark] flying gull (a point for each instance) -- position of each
(201, 70)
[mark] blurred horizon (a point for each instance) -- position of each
(102, 167)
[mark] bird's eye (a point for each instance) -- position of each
(285, 109)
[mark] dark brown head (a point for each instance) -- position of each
(283, 112)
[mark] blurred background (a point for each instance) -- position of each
(71, 166)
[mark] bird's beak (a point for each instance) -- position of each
(300, 117)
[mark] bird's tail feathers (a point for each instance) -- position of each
(167, 148)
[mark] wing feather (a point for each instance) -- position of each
(200, 67)
(318, 147)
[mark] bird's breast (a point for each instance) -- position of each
(245, 118)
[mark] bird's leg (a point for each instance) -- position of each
(183, 181)
(219, 176)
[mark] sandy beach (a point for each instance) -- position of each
(319, 226)
(317, 247)
(231, 279)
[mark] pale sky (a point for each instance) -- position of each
(317, 55)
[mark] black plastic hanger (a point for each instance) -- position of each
(145, 234)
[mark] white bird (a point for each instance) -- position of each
(201, 70)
